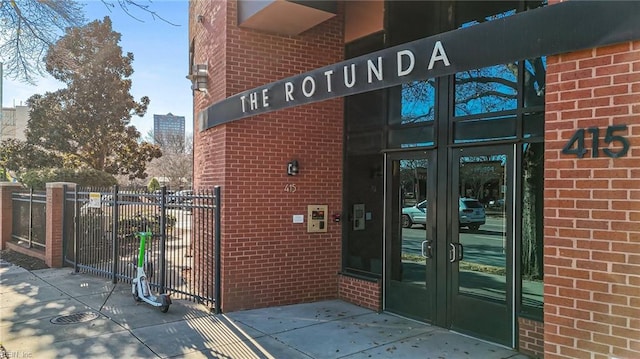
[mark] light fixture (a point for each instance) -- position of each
(200, 18)
(199, 78)
(293, 168)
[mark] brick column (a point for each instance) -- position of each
(55, 222)
(592, 205)
(6, 211)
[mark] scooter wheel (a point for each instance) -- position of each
(136, 297)
(166, 302)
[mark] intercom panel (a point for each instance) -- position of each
(358, 217)
(317, 218)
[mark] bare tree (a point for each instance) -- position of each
(29, 27)
(176, 164)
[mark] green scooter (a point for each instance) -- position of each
(140, 285)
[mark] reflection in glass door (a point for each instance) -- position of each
(410, 269)
(481, 244)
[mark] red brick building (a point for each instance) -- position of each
(471, 165)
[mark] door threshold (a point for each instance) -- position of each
(410, 319)
(482, 340)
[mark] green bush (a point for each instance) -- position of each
(153, 185)
(85, 177)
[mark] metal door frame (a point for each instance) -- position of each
(430, 156)
(510, 150)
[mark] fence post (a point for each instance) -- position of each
(30, 217)
(115, 217)
(6, 211)
(55, 223)
(163, 237)
(76, 230)
(216, 255)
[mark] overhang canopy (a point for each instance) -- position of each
(284, 17)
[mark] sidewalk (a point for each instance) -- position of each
(112, 325)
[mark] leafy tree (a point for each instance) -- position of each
(87, 123)
(153, 185)
(18, 156)
(86, 177)
(29, 27)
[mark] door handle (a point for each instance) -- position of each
(456, 252)
(427, 249)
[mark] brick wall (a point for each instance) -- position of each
(592, 206)
(531, 337)
(266, 259)
(364, 293)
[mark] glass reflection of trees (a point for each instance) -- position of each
(495, 88)
(532, 244)
(418, 101)
(486, 90)
(481, 177)
(535, 72)
(413, 180)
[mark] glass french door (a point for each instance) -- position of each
(410, 266)
(459, 275)
(480, 249)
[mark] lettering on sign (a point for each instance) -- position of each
(347, 76)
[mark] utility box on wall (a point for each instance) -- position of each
(317, 218)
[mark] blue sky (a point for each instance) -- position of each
(161, 58)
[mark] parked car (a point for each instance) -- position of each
(416, 214)
(472, 213)
(496, 203)
(181, 200)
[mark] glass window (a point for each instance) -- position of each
(486, 129)
(533, 125)
(365, 142)
(486, 90)
(364, 188)
(532, 246)
(417, 103)
(411, 137)
(365, 110)
(535, 72)
(470, 13)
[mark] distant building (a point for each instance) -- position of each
(168, 129)
(13, 122)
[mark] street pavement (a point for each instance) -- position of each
(101, 320)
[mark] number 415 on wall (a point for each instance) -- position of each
(575, 145)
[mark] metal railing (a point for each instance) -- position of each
(103, 241)
(29, 219)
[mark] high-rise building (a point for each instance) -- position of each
(168, 129)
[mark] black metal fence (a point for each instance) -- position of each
(29, 219)
(102, 239)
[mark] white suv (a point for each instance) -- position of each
(472, 213)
